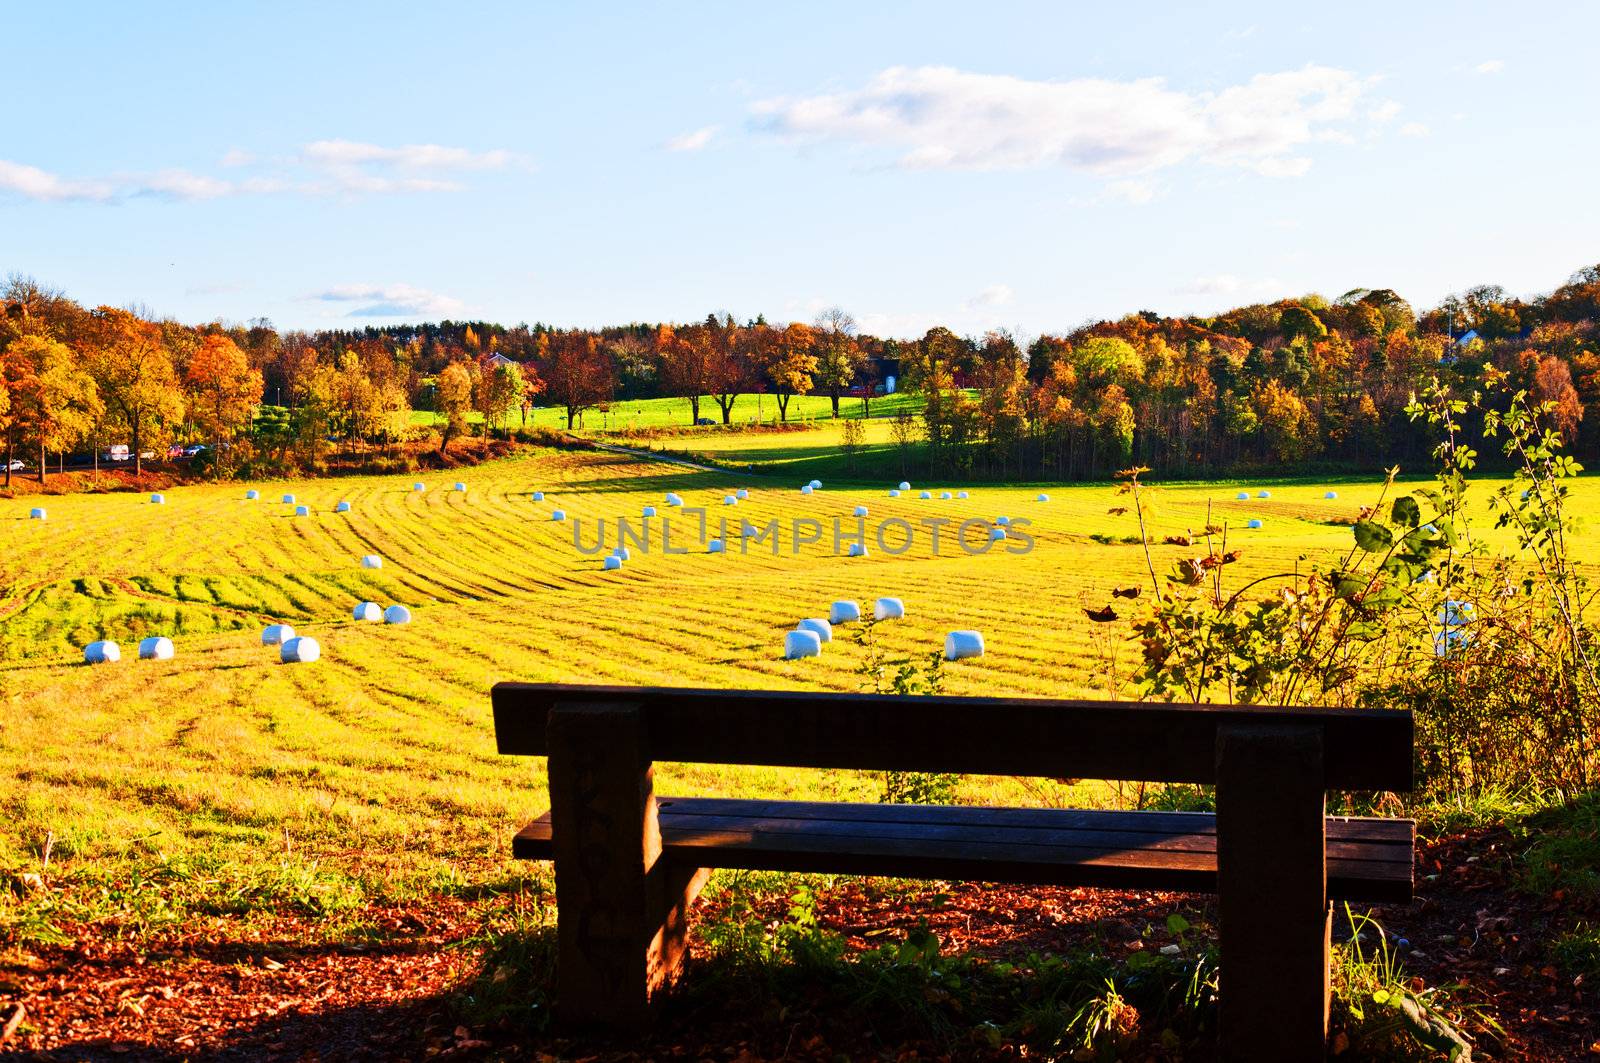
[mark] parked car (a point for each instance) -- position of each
(16, 463)
(118, 452)
(191, 451)
(705, 421)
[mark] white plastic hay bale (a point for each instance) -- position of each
(741, 494)
(905, 485)
(622, 552)
(714, 546)
(538, 496)
(342, 507)
(558, 514)
(155, 648)
(1002, 521)
(288, 500)
(303, 649)
(816, 485)
(158, 500)
(103, 651)
(1254, 523)
(1243, 496)
(1429, 576)
(648, 511)
(36, 513)
(857, 550)
(612, 562)
(730, 500)
(276, 634)
(961, 495)
(673, 499)
(926, 494)
(371, 612)
(944, 496)
(458, 486)
(861, 511)
(797, 644)
(251, 495)
(888, 609)
(807, 489)
(419, 486)
(302, 511)
(372, 561)
(1263, 494)
(962, 644)
(996, 534)
(397, 614)
(818, 626)
(1454, 619)
(844, 612)
(1330, 494)
(894, 493)
(1042, 498)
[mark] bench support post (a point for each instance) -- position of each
(622, 911)
(1272, 893)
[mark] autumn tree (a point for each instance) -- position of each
(838, 356)
(577, 374)
(789, 363)
(685, 356)
(453, 398)
(732, 364)
(499, 390)
(1552, 383)
(11, 372)
(223, 389)
(59, 405)
(137, 382)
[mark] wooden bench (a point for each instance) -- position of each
(628, 864)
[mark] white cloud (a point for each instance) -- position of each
(408, 156)
(1384, 113)
(1490, 66)
(391, 300)
(1232, 286)
(1414, 129)
(34, 183)
(1135, 190)
(692, 141)
(992, 296)
(322, 168)
(943, 118)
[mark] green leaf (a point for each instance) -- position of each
(1176, 924)
(1372, 537)
(1406, 512)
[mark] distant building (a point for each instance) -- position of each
(497, 360)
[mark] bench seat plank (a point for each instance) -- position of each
(1368, 859)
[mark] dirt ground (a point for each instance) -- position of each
(217, 993)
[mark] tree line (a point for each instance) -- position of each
(1268, 385)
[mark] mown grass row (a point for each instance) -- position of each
(378, 761)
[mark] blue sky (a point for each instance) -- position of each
(980, 165)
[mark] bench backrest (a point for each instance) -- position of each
(1362, 749)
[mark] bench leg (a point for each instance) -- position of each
(622, 911)
(1272, 893)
